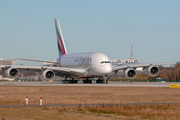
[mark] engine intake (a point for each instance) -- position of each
(48, 74)
(153, 71)
(12, 72)
(130, 73)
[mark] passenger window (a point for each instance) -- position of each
(102, 62)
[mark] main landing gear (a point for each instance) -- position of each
(104, 81)
(69, 81)
(87, 81)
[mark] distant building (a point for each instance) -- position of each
(131, 60)
(116, 62)
(7, 62)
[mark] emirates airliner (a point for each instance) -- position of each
(79, 65)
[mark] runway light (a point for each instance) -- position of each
(26, 100)
(40, 101)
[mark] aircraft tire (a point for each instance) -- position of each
(106, 81)
(74, 81)
(63, 81)
(89, 81)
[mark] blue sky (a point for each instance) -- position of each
(27, 28)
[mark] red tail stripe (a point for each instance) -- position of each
(62, 45)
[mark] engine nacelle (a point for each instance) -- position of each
(48, 74)
(11, 73)
(130, 73)
(153, 71)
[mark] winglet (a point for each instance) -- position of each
(60, 39)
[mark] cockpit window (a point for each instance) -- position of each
(105, 62)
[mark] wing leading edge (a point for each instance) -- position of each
(59, 71)
(121, 67)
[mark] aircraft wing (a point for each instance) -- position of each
(60, 71)
(38, 60)
(121, 67)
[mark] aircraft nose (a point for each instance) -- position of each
(108, 69)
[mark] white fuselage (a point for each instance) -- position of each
(96, 63)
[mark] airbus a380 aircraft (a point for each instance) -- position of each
(79, 65)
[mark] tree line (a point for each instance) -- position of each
(169, 73)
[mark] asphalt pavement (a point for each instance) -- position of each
(110, 84)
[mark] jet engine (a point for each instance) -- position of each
(130, 73)
(48, 74)
(12, 72)
(153, 71)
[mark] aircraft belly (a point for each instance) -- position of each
(94, 72)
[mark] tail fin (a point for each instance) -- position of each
(60, 39)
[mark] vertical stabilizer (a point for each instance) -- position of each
(60, 39)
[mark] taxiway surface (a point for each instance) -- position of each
(110, 84)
